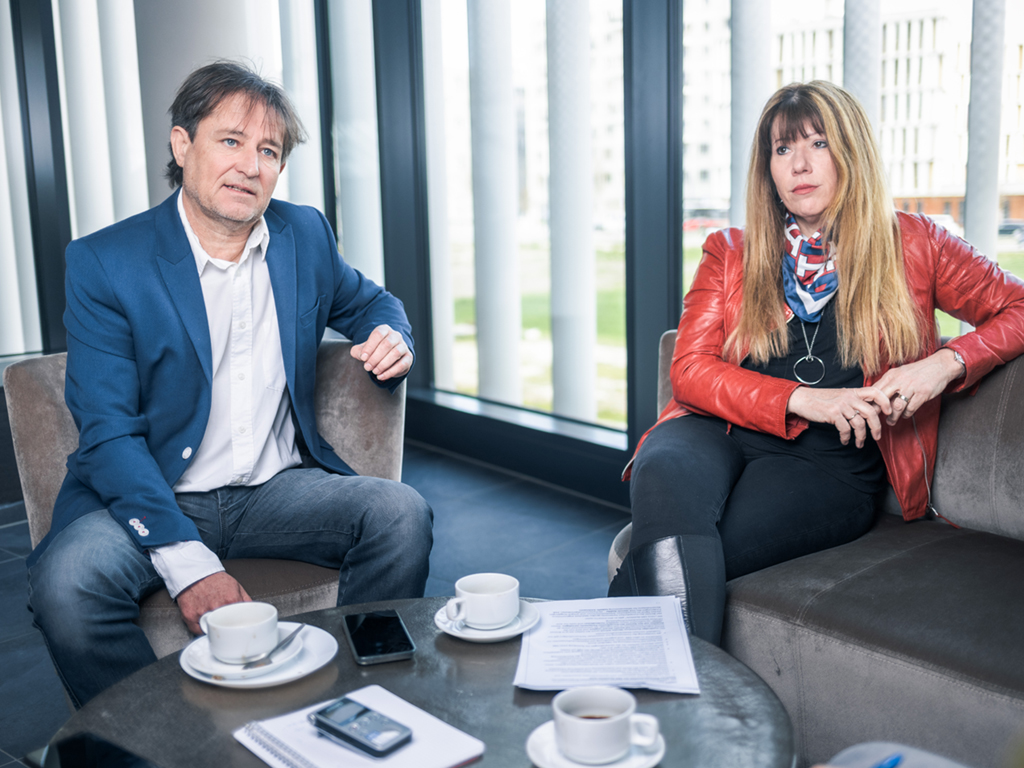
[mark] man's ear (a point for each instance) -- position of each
(180, 144)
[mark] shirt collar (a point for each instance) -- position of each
(258, 240)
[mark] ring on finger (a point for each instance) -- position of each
(904, 398)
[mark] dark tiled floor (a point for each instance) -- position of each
(554, 542)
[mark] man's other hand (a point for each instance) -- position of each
(207, 594)
(385, 354)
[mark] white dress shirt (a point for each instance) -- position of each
(250, 435)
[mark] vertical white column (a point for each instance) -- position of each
(92, 191)
(19, 311)
(355, 136)
(750, 57)
(304, 170)
(981, 220)
(442, 301)
(862, 55)
(573, 296)
(492, 120)
(120, 58)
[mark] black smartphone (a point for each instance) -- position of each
(378, 637)
(350, 723)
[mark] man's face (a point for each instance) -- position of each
(231, 166)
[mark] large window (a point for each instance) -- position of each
(526, 173)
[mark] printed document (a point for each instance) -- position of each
(630, 642)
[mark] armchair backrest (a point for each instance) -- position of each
(364, 423)
(43, 433)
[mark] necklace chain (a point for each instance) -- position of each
(810, 357)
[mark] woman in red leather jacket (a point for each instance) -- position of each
(807, 364)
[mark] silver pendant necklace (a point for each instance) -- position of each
(810, 358)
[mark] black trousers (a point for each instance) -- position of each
(739, 505)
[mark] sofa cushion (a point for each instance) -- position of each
(912, 633)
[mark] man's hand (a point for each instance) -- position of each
(854, 412)
(207, 594)
(385, 354)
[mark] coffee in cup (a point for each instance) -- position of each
(485, 600)
(240, 631)
(598, 724)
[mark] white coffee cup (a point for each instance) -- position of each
(485, 600)
(598, 724)
(240, 631)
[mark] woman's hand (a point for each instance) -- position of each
(910, 386)
(852, 411)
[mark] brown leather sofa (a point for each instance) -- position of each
(914, 633)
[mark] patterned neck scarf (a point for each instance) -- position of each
(808, 272)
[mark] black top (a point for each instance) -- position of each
(862, 468)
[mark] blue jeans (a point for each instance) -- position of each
(85, 590)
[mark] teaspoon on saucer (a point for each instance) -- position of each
(267, 658)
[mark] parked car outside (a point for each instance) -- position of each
(1012, 229)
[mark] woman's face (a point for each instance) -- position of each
(804, 176)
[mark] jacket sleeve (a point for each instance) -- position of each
(701, 379)
(973, 288)
(359, 305)
(103, 393)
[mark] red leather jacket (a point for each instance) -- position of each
(942, 271)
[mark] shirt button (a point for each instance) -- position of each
(143, 532)
(242, 325)
(186, 453)
(241, 377)
(134, 521)
(242, 430)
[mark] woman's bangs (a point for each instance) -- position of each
(796, 116)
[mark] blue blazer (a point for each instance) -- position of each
(140, 364)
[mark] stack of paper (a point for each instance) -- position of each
(630, 642)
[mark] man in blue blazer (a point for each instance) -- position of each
(192, 338)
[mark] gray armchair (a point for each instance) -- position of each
(350, 409)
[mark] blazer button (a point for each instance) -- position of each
(186, 453)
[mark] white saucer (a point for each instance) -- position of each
(528, 616)
(198, 655)
(544, 752)
(316, 648)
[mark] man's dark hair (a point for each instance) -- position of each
(204, 90)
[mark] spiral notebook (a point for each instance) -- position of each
(290, 741)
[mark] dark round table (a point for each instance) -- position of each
(162, 714)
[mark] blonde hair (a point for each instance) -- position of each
(873, 301)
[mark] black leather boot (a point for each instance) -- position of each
(661, 567)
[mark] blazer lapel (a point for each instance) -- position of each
(281, 263)
(178, 268)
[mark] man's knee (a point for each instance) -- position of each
(90, 567)
(401, 510)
